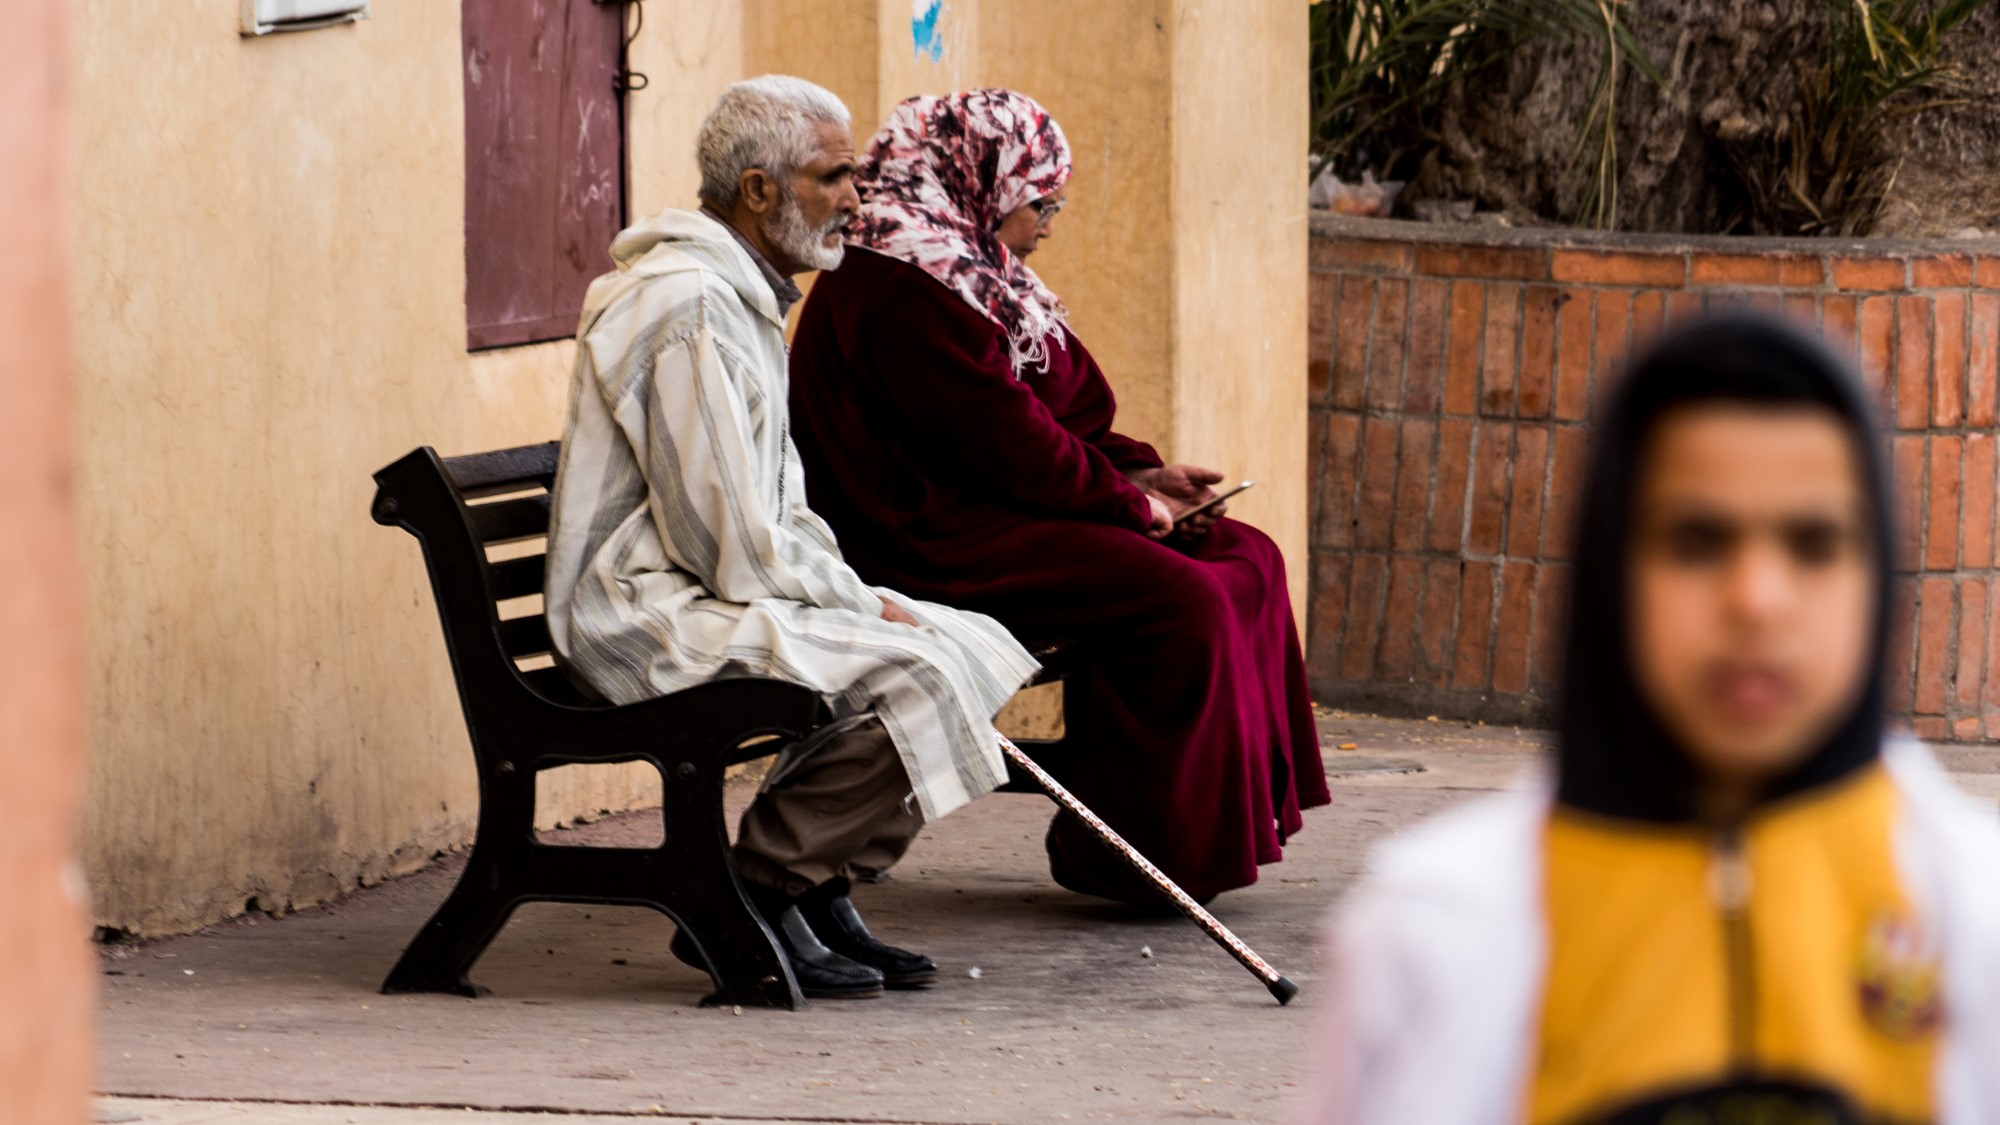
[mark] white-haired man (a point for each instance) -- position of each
(681, 548)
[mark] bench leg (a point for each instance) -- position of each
(441, 955)
(708, 902)
(743, 957)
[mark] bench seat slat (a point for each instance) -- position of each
(508, 520)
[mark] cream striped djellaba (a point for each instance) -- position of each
(681, 549)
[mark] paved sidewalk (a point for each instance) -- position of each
(180, 1111)
(1080, 1010)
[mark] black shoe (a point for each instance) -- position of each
(832, 916)
(822, 974)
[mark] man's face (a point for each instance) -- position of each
(1752, 577)
(816, 204)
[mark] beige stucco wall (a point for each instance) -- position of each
(689, 51)
(833, 42)
(271, 266)
(1105, 72)
(1241, 112)
(270, 261)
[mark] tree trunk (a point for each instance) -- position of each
(1511, 132)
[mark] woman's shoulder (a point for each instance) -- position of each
(863, 272)
(881, 307)
(872, 279)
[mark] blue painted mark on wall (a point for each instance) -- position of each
(925, 15)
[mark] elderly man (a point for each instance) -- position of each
(681, 548)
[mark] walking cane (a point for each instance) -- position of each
(1280, 986)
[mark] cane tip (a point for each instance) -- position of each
(1283, 989)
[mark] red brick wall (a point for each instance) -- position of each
(1453, 377)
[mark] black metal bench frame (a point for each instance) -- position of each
(524, 721)
(1060, 661)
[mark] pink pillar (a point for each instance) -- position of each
(47, 978)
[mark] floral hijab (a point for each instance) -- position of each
(936, 182)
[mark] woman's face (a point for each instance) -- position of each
(1024, 230)
(1752, 575)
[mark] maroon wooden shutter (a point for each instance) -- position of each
(544, 162)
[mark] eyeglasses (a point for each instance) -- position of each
(1045, 210)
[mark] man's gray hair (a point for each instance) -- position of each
(766, 123)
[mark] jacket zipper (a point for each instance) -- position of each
(1729, 882)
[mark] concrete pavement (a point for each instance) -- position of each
(180, 1111)
(1079, 1010)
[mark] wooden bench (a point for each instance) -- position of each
(526, 716)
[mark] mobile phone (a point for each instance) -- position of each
(1211, 502)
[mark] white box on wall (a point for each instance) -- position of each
(262, 17)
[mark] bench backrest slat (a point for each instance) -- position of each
(506, 521)
(525, 636)
(503, 470)
(503, 498)
(517, 578)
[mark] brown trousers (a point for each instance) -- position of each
(845, 809)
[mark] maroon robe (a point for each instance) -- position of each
(948, 479)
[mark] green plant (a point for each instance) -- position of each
(1823, 164)
(1598, 136)
(1380, 69)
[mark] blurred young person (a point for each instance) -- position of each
(959, 438)
(1738, 901)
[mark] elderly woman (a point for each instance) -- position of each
(958, 438)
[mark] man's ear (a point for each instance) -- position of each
(757, 190)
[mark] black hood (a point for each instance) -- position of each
(1613, 755)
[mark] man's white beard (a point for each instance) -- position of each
(801, 243)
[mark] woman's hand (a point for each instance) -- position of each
(1184, 487)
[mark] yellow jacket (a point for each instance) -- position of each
(1836, 959)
